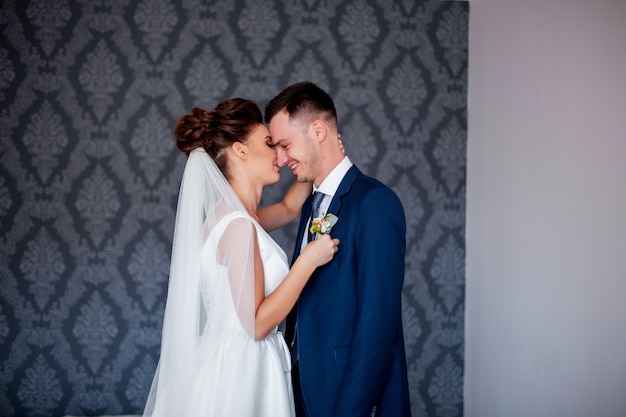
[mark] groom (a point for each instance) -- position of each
(346, 330)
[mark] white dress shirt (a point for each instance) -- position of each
(329, 188)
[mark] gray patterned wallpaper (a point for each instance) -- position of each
(89, 92)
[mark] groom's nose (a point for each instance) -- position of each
(281, 156)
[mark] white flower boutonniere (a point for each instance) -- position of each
(323, 225)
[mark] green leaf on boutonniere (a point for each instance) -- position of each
(323, 225)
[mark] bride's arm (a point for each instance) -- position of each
(272, 310)
(239, 252)
(277, 215)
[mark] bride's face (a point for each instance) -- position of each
(262, 156)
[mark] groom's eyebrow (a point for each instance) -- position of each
(277, 142)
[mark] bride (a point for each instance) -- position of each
(230, 285)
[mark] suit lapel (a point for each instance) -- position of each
(344, 187)
(304, 218)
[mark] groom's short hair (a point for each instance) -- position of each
(304, 101)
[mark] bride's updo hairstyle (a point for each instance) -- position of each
(231, 121)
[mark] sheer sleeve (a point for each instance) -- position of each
(236, 251)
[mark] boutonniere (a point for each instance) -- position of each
(323, 225)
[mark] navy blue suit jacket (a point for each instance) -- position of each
(350, 339)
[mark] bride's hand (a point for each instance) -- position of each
(321, 250)
(341, 144)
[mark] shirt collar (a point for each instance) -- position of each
(331, 182)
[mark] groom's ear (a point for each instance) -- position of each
(318, 129)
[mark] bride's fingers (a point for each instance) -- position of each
(332, 244)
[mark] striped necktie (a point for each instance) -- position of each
(315, 208)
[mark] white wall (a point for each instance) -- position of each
(546, 209)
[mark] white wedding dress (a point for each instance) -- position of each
(210, 364)
(236, 375)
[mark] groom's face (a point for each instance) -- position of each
(294, 146)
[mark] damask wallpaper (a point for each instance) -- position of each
(89, 93)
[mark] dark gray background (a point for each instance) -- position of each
(89, 93)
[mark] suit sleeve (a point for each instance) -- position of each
(381, 248)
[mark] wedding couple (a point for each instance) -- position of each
(231, 286)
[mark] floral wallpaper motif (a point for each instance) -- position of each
(89, 93)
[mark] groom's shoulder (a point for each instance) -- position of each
(367, 182)
(373, 188)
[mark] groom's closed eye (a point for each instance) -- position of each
(281, 143)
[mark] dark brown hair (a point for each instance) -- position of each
(304, 101)
(231, 121)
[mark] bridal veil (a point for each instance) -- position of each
(205, 198)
